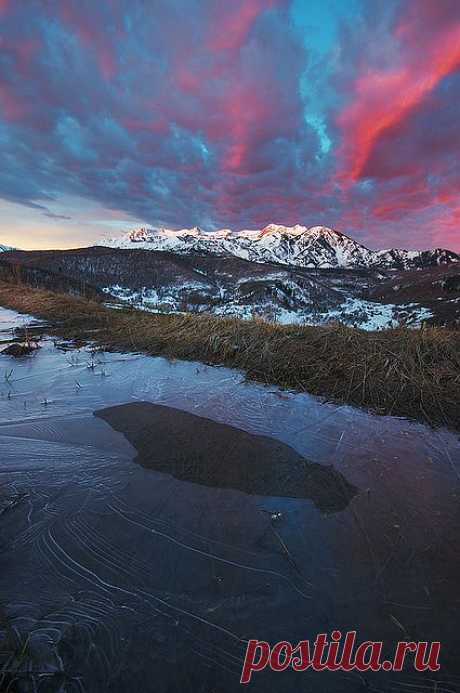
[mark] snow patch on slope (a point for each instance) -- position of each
(366, 315)
(299, 246)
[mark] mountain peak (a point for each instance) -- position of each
(300, 230)
(298, 246)
(280, 228)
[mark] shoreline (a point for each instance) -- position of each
(400, 372)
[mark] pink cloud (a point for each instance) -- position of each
(84, 26)
(232, 22)
(383, 99)
(12, 108)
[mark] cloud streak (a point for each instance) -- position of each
(385, 98)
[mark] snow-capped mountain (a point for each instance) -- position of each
(298, 246)
(5, 248)
(413, 259)
(205, 282)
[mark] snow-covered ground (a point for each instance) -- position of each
(367, 315)
(354, 312)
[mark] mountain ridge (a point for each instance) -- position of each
(318, 247)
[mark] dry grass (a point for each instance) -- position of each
(411, 373)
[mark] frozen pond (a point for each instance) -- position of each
(115, 577)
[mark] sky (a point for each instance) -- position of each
(230, 114)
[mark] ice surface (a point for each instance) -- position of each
(119, 578)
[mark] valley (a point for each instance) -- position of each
(200, 280)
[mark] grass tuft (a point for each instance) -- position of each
(402, 372)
